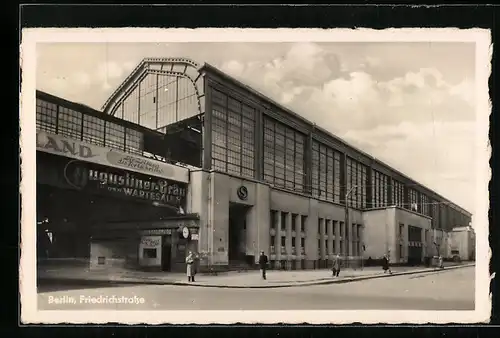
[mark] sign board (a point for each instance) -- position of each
(150, 241)
(120, 183)
(195, 237)
(158, 232)
(63, 146)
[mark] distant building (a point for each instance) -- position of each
(463, 243)
(184, 157)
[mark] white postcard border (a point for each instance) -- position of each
(30, 37)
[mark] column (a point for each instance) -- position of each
(289, 239)
(404, 251)
(219, 219)
(342, 239)
(299, 235)
(424, 243)
(311, 234)
(259, 224)
(351, 239)
(329, 226)
(337, 237)
(322, 228)
(277, 237)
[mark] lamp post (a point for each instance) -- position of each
(346, 221)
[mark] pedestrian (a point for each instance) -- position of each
(385, 264)
(336, 266)
(441, 265)
(263, 264)
(190, 263)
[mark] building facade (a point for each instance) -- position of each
(262, 178)
(101, 199)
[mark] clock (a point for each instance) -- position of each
(185, 232)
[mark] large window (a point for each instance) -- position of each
(64, 121)
(435, 214)
(233, 135)
(379, 183)
(398, 191)
(46, 116)
(131, 107)
(159, 100)
(356, 183)
(147, 101)
(414, 234)
(413, 200)
(93, 130)
(283, 155)
(70, 123)
(325, 172)
(424, 202)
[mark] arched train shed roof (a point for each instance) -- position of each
(181, 67)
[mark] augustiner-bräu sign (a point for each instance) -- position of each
(117, 182)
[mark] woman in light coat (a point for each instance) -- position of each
(190, 270)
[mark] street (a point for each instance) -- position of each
(443, 290)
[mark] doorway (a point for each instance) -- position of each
(237, 233)
(166, 253)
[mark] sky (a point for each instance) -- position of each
(410, 105)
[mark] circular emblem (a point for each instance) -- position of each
(75, 174)
(185, 232)
(242, 193)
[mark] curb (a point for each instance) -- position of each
(290, 284)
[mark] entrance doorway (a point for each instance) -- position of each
(166, 253)
(237, 233)
(414, 255)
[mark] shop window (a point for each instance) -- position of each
(149, 253)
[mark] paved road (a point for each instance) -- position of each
(444, 290)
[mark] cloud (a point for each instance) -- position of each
(109, 70)
(81, 78)
(419, 121)
(408, 111)
(438, 155)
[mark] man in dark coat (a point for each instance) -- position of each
(263, 264)
(385, 264)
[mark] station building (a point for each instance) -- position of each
(183, 157)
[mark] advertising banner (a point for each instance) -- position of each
(63, 146)
(116, 182)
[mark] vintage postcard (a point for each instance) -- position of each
(255, 176)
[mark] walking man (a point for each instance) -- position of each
(263, 264)
(385, 264)
(336, 266)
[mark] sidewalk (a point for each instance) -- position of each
(249, 279)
